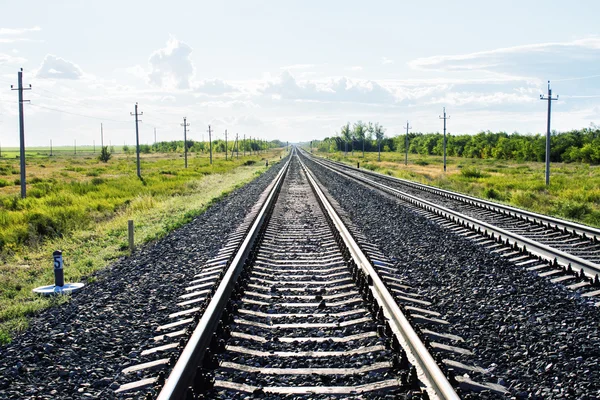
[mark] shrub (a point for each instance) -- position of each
(421, 162)
(97, 181)
(249, 162)
(493, 194)
(105, 154)
(35, 179)
(3, 183)
(17, 182)
(573, 209)
(472, 172)
(43, 225)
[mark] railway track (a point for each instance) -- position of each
(563, 251)
(293, 306)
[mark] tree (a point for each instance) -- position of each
(360, 130)
(379, 132)
(105, 155)
(346, 135)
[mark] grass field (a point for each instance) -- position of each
(81, 205)
(574, 191)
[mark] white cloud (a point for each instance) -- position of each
(9, 31)
(54, 67)
(355, 68)
(508, 56)
(171, 66)
(335, 90)
(298, 66)
(386, 61)
(482, 99)
(15, 40)
(8, 59)
(214, 87)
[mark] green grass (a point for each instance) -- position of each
(81, 206)
(574, 191)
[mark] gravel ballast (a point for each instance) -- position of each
(538, 339)
(78, 350)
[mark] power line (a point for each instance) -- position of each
(77, 114)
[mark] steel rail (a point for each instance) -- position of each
(184, 370)
(513, 239)
(435, 377)
(579, 229)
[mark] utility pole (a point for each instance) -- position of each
(237, 147)
(94, 141)
(75, 146)
(137, 140)
(210, 144)
(244, 145)
(185, 125)
(154, 135)
(549, 98)
(50, 147)
(444, 118)
(226, 145)
(406, 144)
(21, 130)
(101, 135)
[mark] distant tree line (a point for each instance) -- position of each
(582, 145)
(177, 146)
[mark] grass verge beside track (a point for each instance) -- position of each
(573, 194)
(99, 200)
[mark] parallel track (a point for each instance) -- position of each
(567, 252)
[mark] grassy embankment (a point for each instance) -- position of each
(81, 206)
(574, 191)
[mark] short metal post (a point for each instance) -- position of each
(59, 275)
(357, 164)
(130, 229)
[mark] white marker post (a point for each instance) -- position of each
(59, 286)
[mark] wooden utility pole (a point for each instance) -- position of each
(210, 144)
(406, 144)
(444, 118)
(550, 99)
(21, 130)
(137, 140)
(185, 125)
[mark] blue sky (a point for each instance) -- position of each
(294, 70)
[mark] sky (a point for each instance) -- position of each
(294, 70)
